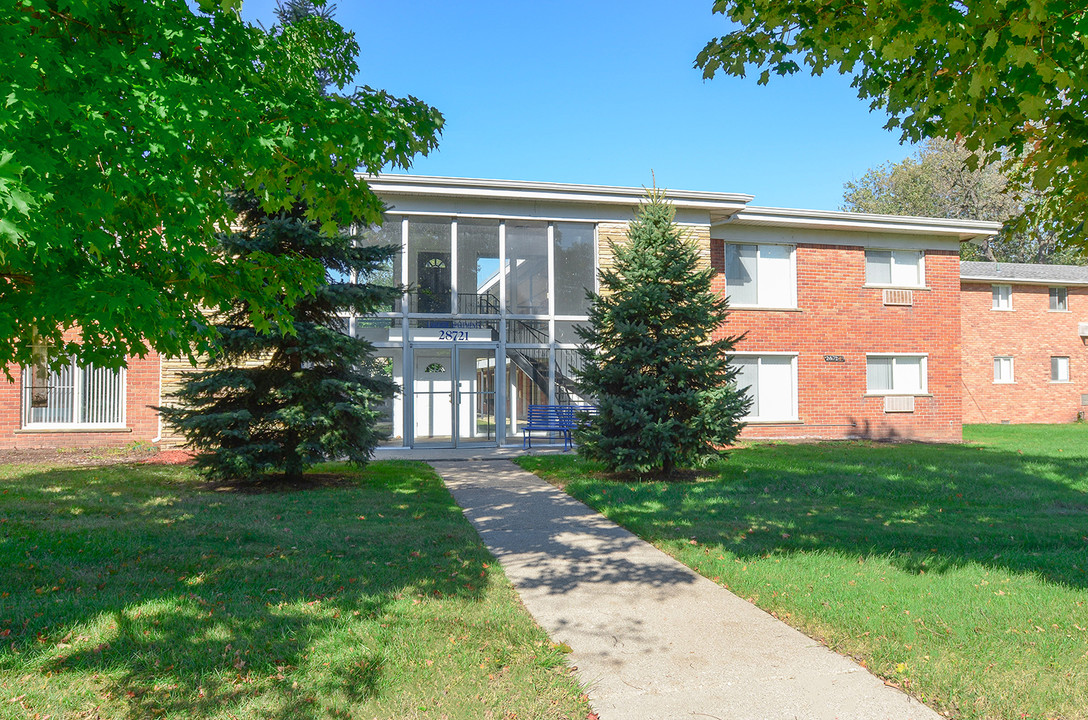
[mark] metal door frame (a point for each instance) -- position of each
(409, 395)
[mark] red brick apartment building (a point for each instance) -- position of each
(1024, 329)
(852, 328)
(852, 321)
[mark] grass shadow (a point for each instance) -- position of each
(179, 600)
(929, 507)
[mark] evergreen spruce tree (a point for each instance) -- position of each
(666, 393)
(273, 401)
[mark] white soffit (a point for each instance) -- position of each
(719, 205)
(863, 222)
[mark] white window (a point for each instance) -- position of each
(1002, 297)
(75, 396)
(771, 381)
(895, 268)
(896, 374)
(1059, 369)
(1003, 370)
(760, 276)
(1059, 299)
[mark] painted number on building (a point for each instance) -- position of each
(452, 335)
(834, 358)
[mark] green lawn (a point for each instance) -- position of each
(959, 573)
(133, 592)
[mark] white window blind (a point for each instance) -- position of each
(770, 383)
(894, 267)
(1002, 297)
(1059, 369)
(77, 396)
(1003, 370)
(760, 275)
(898, 374)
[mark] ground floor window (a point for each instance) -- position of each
(74, 396)
(1003, 370)
(771, 382)
(896, 374)
(1059, 369)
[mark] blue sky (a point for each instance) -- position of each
(603, 93)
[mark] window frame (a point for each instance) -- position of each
(1055, 293)
(79, 374)
(794, 411)
(1012, 369)
(921, 282)
(924, 370)
(792, 280)
(995, 305)
(1060, 381)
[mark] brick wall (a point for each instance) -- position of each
(1030, 333)
(141, 422)
(838, 316)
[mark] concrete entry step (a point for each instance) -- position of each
(650, 637)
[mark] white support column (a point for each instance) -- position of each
(551, 313)
(408, 387)
(506, 394)
(453, 266)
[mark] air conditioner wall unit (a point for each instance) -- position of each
(899, 403)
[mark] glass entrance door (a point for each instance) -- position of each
(432, 397)
(476, 396)
(453, 396)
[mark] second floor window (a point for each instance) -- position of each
(760, 275)
(1002, 297)
(1059, 299)
(897, 268)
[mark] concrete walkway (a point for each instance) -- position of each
(651, 638)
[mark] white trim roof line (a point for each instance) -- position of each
(388, 184)
(1023, 273)
(839, 220)
(1052, 282)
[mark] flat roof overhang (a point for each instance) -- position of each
(717, 204)
(964, 230)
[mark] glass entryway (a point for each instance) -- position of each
(453, 396)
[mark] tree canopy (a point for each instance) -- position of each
(1010, 78)
(124, 124)
(937, 181)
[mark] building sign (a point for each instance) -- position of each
(834, 358)
(455, 331)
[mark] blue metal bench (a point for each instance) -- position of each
(552, 419)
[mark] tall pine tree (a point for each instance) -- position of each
(666, 393)
(272, 401)
(275, 401)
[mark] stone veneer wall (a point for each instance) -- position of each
(613, 232)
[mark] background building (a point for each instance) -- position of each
(1024, 331)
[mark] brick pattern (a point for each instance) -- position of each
(141, 421)
(1031, 334)
(838, 316)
